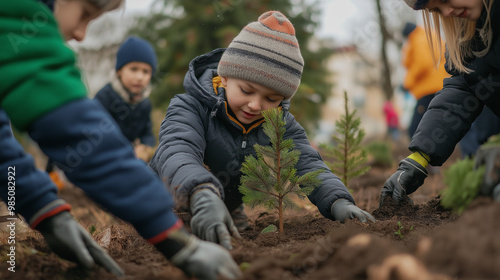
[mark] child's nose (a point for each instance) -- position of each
(79, 33)
(447, 11)
(254, 105)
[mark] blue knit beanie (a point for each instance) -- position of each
(135, 49)
(417, 4)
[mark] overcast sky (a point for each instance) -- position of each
(336, 13)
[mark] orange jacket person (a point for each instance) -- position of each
(422, 79)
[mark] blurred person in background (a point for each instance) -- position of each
(392, 121)
(125, 97)
(423, 79)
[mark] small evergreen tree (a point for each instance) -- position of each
(269, 178)
(463, 183)
(348, 158)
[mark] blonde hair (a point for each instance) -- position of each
(458, 33)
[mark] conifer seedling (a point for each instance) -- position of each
(463, 183)
(348, 156)
(268, 179)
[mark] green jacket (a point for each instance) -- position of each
(30, 87)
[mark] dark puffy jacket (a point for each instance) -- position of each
(457, 105)
(134, 120)
(201, 143)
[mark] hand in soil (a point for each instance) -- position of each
(206, 260)
(343, 209)
(211, 220)
(70, 241)
(407, 179)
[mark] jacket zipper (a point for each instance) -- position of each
(244, 143)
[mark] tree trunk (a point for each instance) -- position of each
(386, 70)
(280, 212)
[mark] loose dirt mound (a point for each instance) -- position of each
(420, 241)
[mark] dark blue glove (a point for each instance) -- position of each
(343, 209)
(407, 179)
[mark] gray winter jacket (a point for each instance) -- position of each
(201, 143)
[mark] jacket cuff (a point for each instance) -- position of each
(48, 211)
(205, 186)
(164, 235)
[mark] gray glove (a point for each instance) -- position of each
(343, 209)
(202, 259)
(70, 241)
(407, 179)
(211, 220)
(489, 156)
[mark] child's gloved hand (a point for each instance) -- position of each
(211, 220)
(407, 179)
(343, 209)
(201, 259)
(70, 241)
(489, 156)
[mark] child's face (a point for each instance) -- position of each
(247, 100)
(470, 9)
(73, 16)
(135, 76)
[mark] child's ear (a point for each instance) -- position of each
(224, 81)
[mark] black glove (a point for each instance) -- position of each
(70, 241)
(202, 259)
(211, 220)
(343, 209)
(490, 158)
(407, 179)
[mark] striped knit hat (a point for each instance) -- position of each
(267, 53)
(417, 4)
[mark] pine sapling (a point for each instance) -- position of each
(269, 178)
(348, 156)
(463, 183)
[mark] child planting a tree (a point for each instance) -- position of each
(208, 131)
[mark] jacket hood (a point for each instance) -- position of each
(198, 80)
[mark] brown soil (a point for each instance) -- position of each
(420, 241)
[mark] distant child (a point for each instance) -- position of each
(209, 130)
(392, 121)
(126, 96)
(42, 94)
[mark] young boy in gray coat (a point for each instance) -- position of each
(208, 131)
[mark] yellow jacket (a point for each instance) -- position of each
(422, 77)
